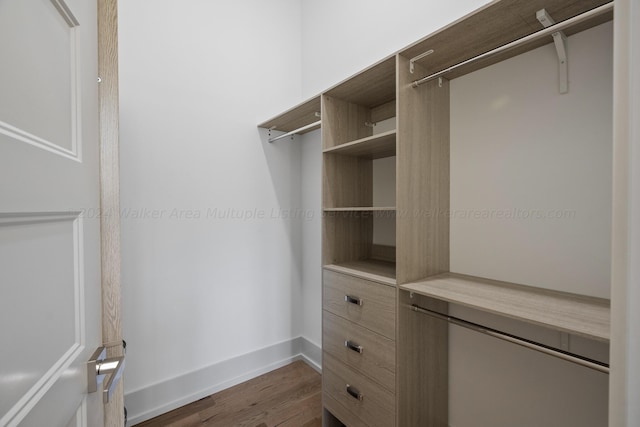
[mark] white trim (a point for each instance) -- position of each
(624, 379)
(311, 353)
(36, 141)
(159, 398)
(29, 400)
(64, 10)
(13, 218)
(75, 153)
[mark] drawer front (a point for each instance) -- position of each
(370, 353)
(340, 412)
(368, 401)
(369, 304)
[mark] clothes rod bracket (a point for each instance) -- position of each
(532, 345)
(560, 41)
(545, 32)
(417, 58)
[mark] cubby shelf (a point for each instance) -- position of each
(575, 314)
(371, 269)
(371, 147)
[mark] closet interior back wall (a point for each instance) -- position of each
(530, 203)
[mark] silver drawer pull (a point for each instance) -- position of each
(354, 393)
(353, 300)
(353, 346)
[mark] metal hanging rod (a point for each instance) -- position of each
(293, 132)
(548, 31)
(542, 348)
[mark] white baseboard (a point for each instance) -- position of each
(157, 399)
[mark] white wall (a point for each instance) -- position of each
(340, 38)
(521, 153)
(202, 286)
(531, 169)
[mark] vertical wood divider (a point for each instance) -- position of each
(110, 196)
(422, 226)
(423, 176)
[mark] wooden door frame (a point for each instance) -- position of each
(110, 195)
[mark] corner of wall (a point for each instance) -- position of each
(156, 399)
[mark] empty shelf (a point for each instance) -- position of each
(372, 147)
(371, 269)
(362, 209)
(575, 314)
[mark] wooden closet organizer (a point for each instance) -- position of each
(383, 363)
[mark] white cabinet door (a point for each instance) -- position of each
(50, 312)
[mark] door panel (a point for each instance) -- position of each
(39, 264)
(39, 76)
(50, 310)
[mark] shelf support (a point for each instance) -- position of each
(600, 10)
(417, 58)
(560, 41)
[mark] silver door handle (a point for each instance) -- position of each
(98, 367)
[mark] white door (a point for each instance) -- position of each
(50, 312)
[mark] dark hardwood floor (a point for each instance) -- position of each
(287, 397)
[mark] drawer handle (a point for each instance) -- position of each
(353, 300)
(353, 346)
(354, 393)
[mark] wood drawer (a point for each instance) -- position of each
(376, 357)
(378, 309)
(376, 408)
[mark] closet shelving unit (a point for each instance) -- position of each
(576, 314)
(400, 376)
(350, 146)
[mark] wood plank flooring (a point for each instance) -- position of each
(287, 397)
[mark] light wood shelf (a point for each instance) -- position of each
(494, 25)
(575, 314)
(371, 269)
(362, 209)
(295, 117)
(371, 147)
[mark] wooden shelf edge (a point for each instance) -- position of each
(356, 269)
(294, 117)
(381, 138)
(362, 209)
(576, 314)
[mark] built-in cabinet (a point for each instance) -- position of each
(384, 361)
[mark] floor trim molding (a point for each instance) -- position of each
(157, 399)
